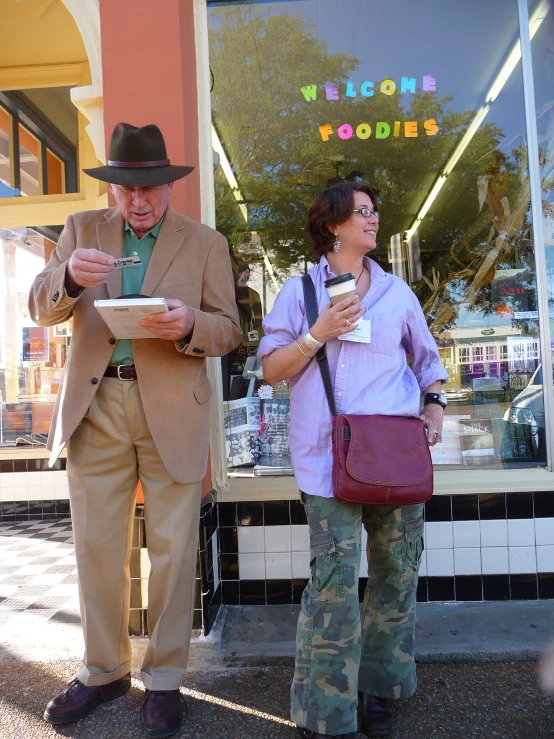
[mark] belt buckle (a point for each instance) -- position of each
(123, 379)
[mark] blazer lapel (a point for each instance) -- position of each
(168, 243)
(110, 240)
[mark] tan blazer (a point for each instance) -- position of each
(190, 262)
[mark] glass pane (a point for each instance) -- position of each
(29, 162)
(6, 175)
(55, 170)
(434, 120)
(31, 357)
(528, 406)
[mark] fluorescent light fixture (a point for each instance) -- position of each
(228, 172)
(270, 270)
(500, 80)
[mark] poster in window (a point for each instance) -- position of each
(16, 422)
(42, 417)
(477, 442)
(242, 431)
(35, 344)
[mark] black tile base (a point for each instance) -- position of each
(523, 587)
(468, 587)
(496, 587)
(440, 588)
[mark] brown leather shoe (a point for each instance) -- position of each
(162, 712)
(78, 700)
(307, 734)
(376, 715)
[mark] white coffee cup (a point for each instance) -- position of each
(342, 287)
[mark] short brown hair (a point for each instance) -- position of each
(331, 207)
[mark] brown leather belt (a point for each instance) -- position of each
(121, 371)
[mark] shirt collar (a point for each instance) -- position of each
(154, 231)
(378, 274)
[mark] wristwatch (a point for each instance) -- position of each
(437, 398)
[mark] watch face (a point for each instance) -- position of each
(443, 399)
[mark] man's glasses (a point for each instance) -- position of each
(367, 212)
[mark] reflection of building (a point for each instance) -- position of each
(71, 70)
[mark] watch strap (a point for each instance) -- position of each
(433, 398)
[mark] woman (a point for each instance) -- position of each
(339, 654)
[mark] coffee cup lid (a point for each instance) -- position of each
(339, 280)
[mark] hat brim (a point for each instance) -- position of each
(139, 176)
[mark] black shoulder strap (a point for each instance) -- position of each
(312, 312)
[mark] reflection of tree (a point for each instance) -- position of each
(271, 134)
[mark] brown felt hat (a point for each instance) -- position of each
(138, 158)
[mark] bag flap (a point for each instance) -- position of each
(386, 450)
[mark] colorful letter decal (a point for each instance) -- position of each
(431, 127)
(382, 130)
(350, 91)
(309, 92)
(367, 89)
(325, 131)
(429, 83)
(407, 85)
(345, 131)
(363, 131)
(388, 87)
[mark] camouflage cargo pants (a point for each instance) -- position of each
(337, 651)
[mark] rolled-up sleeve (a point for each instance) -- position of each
(422, 347)
(284, 323)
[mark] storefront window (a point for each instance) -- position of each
(425, 103)
(528, 407)
(38, 155)
(29, 162)
(6, 175)
(31, 357)
(55, 177)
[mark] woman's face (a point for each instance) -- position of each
(358, 232)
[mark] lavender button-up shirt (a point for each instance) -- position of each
(368, 378)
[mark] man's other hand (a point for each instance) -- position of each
(88, 268)
(176, 324)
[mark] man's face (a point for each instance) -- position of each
(142, 207)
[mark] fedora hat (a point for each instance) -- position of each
(138, 158)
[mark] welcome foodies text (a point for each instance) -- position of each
(367, 89)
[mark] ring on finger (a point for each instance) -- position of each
(435, 431)
(348, 322)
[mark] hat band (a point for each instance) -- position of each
(154, 163)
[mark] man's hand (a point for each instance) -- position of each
(174, 325)
(88, 268)
(432, 417)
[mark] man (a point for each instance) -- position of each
(136, 410)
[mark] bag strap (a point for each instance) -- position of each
(312, 313)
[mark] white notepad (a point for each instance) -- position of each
(122, 316)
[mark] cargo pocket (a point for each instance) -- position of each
(327, 577)
(413, 547)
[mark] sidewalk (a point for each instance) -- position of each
(476, 674)
(445, 632)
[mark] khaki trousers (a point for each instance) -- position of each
(108, 453)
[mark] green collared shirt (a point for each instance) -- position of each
(133, 277)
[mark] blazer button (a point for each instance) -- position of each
(111, 340)
(94, 380)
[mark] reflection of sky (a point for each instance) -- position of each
(8, 192)
(462, 44)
